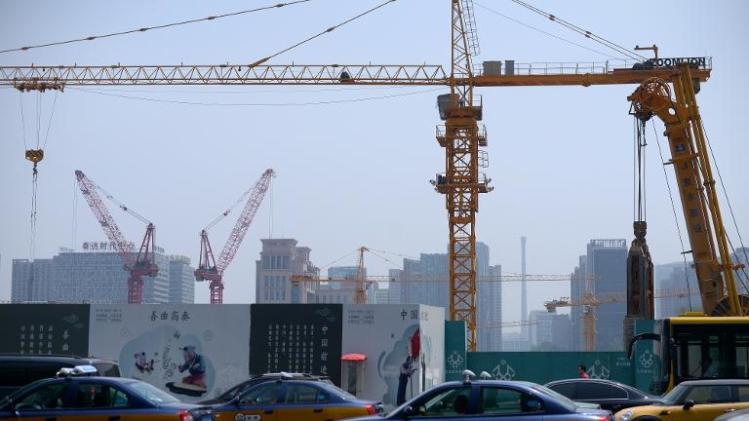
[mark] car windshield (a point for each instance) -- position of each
(152, 394)
(673, 397)
(558, 397)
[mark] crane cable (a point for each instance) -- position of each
(639, 173)
(587, 34)
(730, 211)
(148, 28)
(519, 22)
(321, 33)
(676, 220)
(258, 104)
(35, 156)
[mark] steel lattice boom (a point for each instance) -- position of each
(212, 269)
(144, 263)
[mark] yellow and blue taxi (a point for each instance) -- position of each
(293, 399)
(85, 398)
(694, 400)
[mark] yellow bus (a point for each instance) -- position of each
(695, 346)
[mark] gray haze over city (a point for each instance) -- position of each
(355, 172)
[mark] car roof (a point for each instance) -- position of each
(491, 383)
(577, 379)
(55, 358)
(715, 382)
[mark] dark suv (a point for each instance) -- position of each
(18, 370)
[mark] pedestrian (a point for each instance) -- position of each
(407, 369)
(583, 371)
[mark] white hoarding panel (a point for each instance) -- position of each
(389, 336)
(194, 351)
(432, 320)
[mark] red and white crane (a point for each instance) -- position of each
(138, 266)
(210, 269)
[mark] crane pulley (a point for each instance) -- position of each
(212, 269)
(137, 266)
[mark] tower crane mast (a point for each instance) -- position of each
(138, 266)
(212, 269)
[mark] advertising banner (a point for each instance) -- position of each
(44, 329)
(194, 351)
(403, 345)
(300, 338)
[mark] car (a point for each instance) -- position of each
(232, 393)
(97, 398)
(693, 400)
(611, 395)
(741, 415)
(494, 400)
(290, 399)
(18, 370)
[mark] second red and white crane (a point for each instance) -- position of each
(211, 269)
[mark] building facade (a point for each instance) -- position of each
(425, 281)
(97, 277)
(181, 280)
(604, 268)
(549, 331)
(279, 260)
(489, 300)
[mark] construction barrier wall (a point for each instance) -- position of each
(543, 367)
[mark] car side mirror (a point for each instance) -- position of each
(688, 404)
(409, 411)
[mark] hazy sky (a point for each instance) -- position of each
(356, 173)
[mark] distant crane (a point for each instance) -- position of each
(589, 302)
(138, 266)
(210, 269)
(361, 281)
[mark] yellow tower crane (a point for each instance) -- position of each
(461, 182)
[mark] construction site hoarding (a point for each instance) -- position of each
(297, 338)
(193, 351)
(44, 329)
(543, 367)
(403, 345)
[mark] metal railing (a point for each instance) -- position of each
(580, 68)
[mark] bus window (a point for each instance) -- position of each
(742, 356)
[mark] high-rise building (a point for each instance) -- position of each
(515, 342)
(181, 280)
(604, 269)
(489, 299)
(394, 289)
(96, 276)
(279, 260)
(549, 331)
(577, 290)
(425, 281)
(676, 290)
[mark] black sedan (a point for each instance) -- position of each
(97, 398)
(610, 395)
(493, 400)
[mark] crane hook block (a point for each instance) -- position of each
(35, 155)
